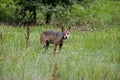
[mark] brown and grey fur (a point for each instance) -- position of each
(53, 37)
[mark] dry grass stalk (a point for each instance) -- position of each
(55, 75)
(27, 36)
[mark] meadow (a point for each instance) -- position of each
(86, 55)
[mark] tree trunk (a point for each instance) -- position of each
(48, 18)
(34, 15)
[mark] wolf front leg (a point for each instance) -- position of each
(55, 48)
(60, 46)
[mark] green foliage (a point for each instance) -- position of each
(32, 6)
(7, 9)
(97, 13)
(26, 11)
(87, 13)
(84, 56)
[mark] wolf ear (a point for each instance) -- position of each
(69, 28)
(62, 28)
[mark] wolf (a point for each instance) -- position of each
(53, 37)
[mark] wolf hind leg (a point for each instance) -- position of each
(47, 44)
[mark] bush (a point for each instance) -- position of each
(7, 9)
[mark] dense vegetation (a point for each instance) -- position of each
(26, 10)
(91, 53)
(90, 13)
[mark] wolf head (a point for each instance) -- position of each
(66, 32)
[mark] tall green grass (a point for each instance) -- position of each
(84, 56)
